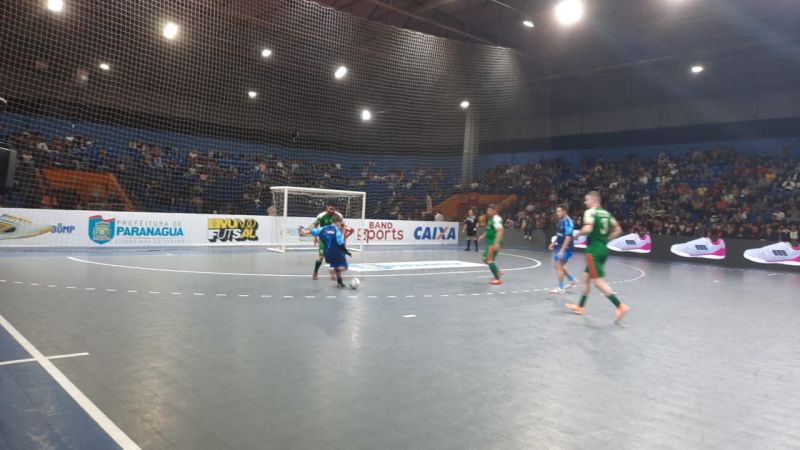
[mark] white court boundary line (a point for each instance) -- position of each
(536, 264)
(27, 360)
(83, 401)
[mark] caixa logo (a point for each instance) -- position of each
(435, 233)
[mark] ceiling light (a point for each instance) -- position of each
(527, 23)
(266, 53)
(464, 104)
(366, 116)
(171, 30)
(569, 12)
(105, 66)
(252, 94)
(698, 68)
(55, 5)
(340, 73)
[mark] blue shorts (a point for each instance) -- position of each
(336, 261)
(567, 256)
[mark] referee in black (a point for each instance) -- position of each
(471, 229)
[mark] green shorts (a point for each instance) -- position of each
(595, 265)
(490, 255)
(321, 248)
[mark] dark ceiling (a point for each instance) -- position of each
(615, 35)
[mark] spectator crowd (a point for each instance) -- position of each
(745, 195)
(161, 178)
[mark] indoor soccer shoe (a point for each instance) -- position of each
(556, 291)
(495, 281)
(621, 311)
(700, 248)
(633, 242)
(780, 253)
(576, 309)
(14, 227)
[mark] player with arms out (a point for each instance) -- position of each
(563, 246)
(324, 218)
(494, 238)
(600, 226)
(331, 236)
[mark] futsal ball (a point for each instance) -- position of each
(354, 283)
(554, 239)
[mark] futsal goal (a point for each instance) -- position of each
(296, 207)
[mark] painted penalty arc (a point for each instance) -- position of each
(536, 264)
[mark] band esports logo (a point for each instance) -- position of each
(380, 230)
(231, 229)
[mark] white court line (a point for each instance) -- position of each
(132, 291)
(536, 264)
(26, 360)
(244, 295)
(409, 316)
(114, 432)
(224, 295)
(34, 284)
(199, 294)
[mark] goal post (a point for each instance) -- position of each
(293, 206)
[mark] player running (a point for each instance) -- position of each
(564, 246)
(331, 236)
(471, 229)
(494, 239)
(324, 218)
(600, 226)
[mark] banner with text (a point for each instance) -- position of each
(25, 228)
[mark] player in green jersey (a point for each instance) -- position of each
(494, 239)
(600, 227)
(323, 219)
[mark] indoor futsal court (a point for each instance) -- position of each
(242, 349)
(399, 225)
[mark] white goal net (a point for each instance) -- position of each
(295, 208)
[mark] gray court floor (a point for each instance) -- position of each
(242, 350)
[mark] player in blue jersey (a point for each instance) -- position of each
(332, 237)
(563, 246)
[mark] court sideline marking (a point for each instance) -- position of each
(119, 436)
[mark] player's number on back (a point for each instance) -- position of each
(604, 225)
